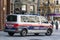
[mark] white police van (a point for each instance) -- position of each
(25, 24)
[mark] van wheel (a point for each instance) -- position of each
(49, 32)
(36, 33)
(23, 32)
(10, 33)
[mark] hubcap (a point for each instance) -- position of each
(48, 32)
(24, 32)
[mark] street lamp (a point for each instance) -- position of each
(4, 8)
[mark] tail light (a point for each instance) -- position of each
(12, 25)
(5, 24)
(16, 25)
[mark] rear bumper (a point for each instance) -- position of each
(15, 31)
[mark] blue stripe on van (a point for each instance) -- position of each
(37, 28)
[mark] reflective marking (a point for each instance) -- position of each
(36, 31)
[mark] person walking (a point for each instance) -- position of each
(56, 25)
(52, 23)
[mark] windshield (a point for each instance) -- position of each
(12, 18)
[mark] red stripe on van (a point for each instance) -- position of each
(29, 24)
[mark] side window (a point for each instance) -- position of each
(44, 20)
(37, 19)
(33, 19)
(24, 18)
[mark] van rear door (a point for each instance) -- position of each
(12, 18)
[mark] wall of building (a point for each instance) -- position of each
(53, 5)
(28, 4)
(4, 10)
(7, 7)
(1, 13)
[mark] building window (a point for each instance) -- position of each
(31, 9)
(24, 7)
(56, 10)
(11, 6)
(57, 3)
(43, 10)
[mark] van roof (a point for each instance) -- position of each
(24, 15)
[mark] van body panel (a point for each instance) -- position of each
(31, 26)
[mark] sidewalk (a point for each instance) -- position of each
(54, 27)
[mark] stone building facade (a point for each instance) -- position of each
(4, 10)
(50, 8)
(16, 6)
(24, 6)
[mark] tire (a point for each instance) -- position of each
(36, 33)
(23, 32)
(10, 33)
(49, 32)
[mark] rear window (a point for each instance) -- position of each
(12, 18)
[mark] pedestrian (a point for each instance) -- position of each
(52, 23)
(56, 23)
